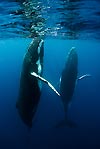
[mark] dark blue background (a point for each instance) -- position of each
(85, 108)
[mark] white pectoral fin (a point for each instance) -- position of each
(84, 76)
(45, 81)
(52, 87)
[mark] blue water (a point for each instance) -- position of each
(65, 23)
(85, 108)
(67, 19)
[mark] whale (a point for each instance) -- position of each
(68, 80)
(68, 77)
(30, 87)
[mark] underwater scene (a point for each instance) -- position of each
(49, 74)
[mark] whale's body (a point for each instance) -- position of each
(30, 87)
(69, 77)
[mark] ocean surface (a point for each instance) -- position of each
(64, 24)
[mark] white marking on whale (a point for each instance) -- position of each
(39, 66)
(40, 44)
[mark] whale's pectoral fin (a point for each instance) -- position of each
(84, 76)
(45, 81)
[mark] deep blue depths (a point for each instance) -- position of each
(85, 108)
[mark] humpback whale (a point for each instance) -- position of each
(30, 87)
(68, 77)
(68, 81)
(67, 85)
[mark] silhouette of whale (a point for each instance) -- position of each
(30, 87)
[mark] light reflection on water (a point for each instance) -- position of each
(67, 19)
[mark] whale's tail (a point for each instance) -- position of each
(67, 123)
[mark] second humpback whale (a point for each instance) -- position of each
(30, 87)
(68, 82)
(67, 85)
